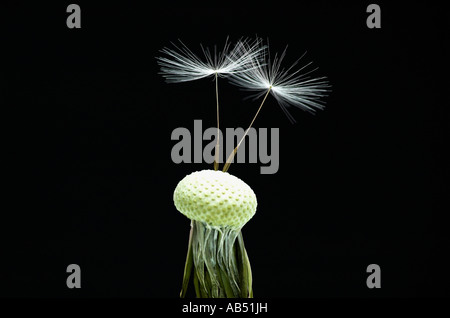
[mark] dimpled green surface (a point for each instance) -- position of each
(216, 198)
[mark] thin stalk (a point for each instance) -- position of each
(231, 156)
(216, 155)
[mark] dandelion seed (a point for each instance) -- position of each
(288, 87)
(182, 65)
(294, 88)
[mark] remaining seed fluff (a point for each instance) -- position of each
(216, 198)
(180, 64)
(289, 87)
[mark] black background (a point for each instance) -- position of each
(90, 177)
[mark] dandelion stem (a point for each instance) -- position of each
(216, 155)
(230, 158)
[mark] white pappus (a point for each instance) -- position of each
(182, 65)
(289, 87)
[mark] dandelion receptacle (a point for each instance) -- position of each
(219, 205)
